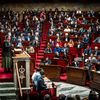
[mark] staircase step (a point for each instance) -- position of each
(38, 60)
(6, 84)
(8, 96)
(37, 63)
(42, 48)
(0, 58)
(40, 54)
(43, 45)
(40, 57)
(41, 51)
(7, 90)
(44, 41)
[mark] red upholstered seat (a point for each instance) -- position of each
(25, 43)
(49, 55)
(63, 77)
(34, 95)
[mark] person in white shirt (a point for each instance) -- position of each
(35, 77)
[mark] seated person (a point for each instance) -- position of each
(48, 50)
(19, 44)
(50, 43)
(51, 32)
(57, 49)
(71, 43)
(57, 55)
(85, 39)
(92, 95)
(97, 40)
(38, 81)
(87, 51)
(96, 51)
(67, 29)
(34, 43)
(77, 61)
(66, 38)
(89, 64)
(30, 49)
(58, 41)
(79, 45)
(46, 61)
(65, 49)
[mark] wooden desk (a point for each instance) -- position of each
(76, 75)
(96, 81)
(52, 72)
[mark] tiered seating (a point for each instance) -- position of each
(40, 53)
(78, 25)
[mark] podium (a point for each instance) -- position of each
(22, 60)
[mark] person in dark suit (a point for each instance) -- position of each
(7, 55)
(41, 84)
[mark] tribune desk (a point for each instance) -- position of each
(52, 72)
(76, 75)
(23, 63)
(96, 81)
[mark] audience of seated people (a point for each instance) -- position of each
(21, 27)
(69, 31)
(78, 29)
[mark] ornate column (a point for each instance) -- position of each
(14, 75)
(27, 73)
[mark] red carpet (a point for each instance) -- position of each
(40, 53)
(4, 77)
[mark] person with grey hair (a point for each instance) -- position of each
(47, 97)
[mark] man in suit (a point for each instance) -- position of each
(7, 55)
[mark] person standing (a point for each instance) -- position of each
(7, 55)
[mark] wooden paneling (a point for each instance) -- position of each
(96, 81)
(51, 71)
(76, 75)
